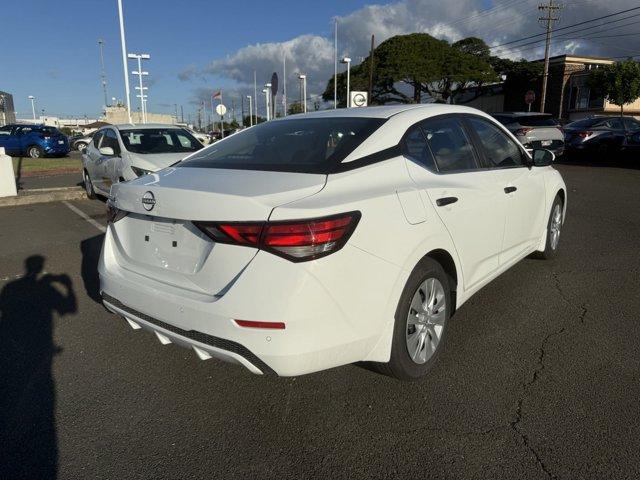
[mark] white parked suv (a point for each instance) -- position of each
(119, 153)
(323, 239)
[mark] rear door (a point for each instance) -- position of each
(94, 164)
(522, 187)
(442, 161)
(112, 163)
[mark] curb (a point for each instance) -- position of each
(44, 195)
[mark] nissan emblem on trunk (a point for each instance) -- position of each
(148, 201)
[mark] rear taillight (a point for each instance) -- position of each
(523, 131)
(584, 134)
(298, 240)
(114, 214)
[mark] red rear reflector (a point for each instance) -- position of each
(584, 134)
(254, 324)
(523, 131)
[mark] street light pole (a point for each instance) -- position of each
(347, 60)
(303, 79)
(267, 86)
(124, 60)
(250, 112)
(266, 92)
(140, 73)
(33, 106)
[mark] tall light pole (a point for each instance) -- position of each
(267, 93)
(33, 106)
(255, 95)
(335, 66)
(103, 74)
(303, 90)
(250, 112)
(269, 106)
(140, 73)
(347, 60)
(284, 84)
(124, 60)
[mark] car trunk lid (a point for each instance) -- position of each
(157, 239)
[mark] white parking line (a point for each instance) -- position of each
(86, 217)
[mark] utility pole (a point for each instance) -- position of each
(335, 65)
(103, 74)
(371, 70)
(549, 9)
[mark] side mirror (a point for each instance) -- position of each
(542, 157)
(107, 151)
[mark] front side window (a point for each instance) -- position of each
(631, 124)
(96, 138)
(499, 149)
(111, 140)
(449, 144)
(305, 145)
(159, 140)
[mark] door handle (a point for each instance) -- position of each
(510, 189)
(441, 202)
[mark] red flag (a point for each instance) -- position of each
(217, 95)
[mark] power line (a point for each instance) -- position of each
(569, 26)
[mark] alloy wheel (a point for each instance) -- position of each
(425, 321)
(555, 226)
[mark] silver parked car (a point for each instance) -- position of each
(534, 130)
(119, 153)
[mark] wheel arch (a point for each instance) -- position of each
(446, 261)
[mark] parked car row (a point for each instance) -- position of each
(318, 240)
(602, 134)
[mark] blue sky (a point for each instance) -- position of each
(50, 47)
(56, 58)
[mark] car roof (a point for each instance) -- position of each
(522, 114)
(144, 126)
(386, 111)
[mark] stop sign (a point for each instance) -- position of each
(529, 97)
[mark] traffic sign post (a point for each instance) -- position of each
(221, 110)
(529, 98)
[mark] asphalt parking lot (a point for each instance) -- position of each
(539, 377)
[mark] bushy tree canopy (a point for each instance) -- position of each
(618, 82)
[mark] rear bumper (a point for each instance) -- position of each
(333, 314)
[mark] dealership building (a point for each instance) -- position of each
(7, 110)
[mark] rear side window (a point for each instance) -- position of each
(631, 124)
(582, 123)
(415, 147)
(499, 150)
(449, 144)
(306, 145)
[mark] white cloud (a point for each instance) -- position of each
(451, 20)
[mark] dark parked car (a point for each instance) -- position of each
(600, 134)
(534, 130)
(33, 140)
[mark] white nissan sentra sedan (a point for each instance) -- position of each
(118, 153)
(323, 239)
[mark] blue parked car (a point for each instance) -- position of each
(33, 141)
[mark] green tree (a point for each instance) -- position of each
(295, 107)
(423, 63)
(618, 82)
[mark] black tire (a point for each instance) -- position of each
(34, 151)
(551, 250)
(401, 365)
(88, 185)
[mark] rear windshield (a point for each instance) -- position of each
(159, 140)
(307, 145)
(537, 121)
(587, 122)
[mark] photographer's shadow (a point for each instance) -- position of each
(28, 447)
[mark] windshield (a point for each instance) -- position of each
(159, 140)
(307, 145)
